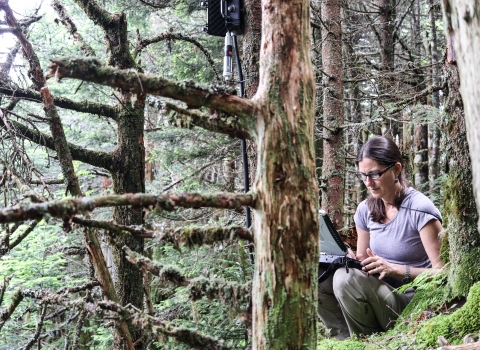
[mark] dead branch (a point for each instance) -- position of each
(38, 330)
(3, 287)
(47, 182)
(216, 122)
(62, 102)
(194, 95)
(165, 272)
(67, 21)
(5, 314)
(229, 293)
(23, 235)
(199, 235)
(180, 37)
(35, 74)
(185, 236)
(78, 329)
(158, 4)
(116, 35)
(68, 207)
(403, 104)
(58, 297)
(191, 337)
(100, 159)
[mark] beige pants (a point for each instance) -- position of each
(354, 303)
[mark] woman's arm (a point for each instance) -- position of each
(431, 242)
(363, 242)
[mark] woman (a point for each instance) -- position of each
(397, 229)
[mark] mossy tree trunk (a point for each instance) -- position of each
(286, 222)
(128, 162)
(461, 217)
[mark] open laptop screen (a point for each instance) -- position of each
(331, 244)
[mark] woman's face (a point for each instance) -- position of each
(383, 187)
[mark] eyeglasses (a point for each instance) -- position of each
(373, 176)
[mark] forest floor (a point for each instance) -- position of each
(433, 320)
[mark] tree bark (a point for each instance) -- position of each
(286, 222)
(333, 115)
(463, 23)
(420, 161)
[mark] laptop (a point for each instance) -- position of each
(331, 244)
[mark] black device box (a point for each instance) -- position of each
(223, 15)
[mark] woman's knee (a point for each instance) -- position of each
(344, 281)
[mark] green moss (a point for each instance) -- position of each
(333, 344)
(454, 326)
(466, 273)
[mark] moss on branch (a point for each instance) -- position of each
(194, 95)
(191, 337)
(185, 236)
(229, 293)
(199, 235)
(216, 122)
(68, 207)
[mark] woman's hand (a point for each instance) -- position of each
(375, 264)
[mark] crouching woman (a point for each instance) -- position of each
(398, 239)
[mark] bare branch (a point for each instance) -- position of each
(177, 36)
(195, 96)
(115, 29)
(100, 159)
(3, 287)
(38, 330)
(23, 235)
(47, 182)
(67, 21)
(165, 272)
(404, 103)
(185, 236)
(81, 106)
(36, 76)
(69, 207)
(5, 314)
(58, 297)
(7, 31)
(158, 4)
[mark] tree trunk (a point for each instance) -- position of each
(420, 162)
(433, 128)
(334, 141)
(463, 23)
(387, 47)
(128, 177)
(460, 221)
(286, 223)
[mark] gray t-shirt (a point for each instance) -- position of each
(398, 241)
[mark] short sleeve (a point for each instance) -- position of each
(361, 216)
(423, 210)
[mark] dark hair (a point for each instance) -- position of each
(384, 151)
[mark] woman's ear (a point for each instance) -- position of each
(398, 169)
